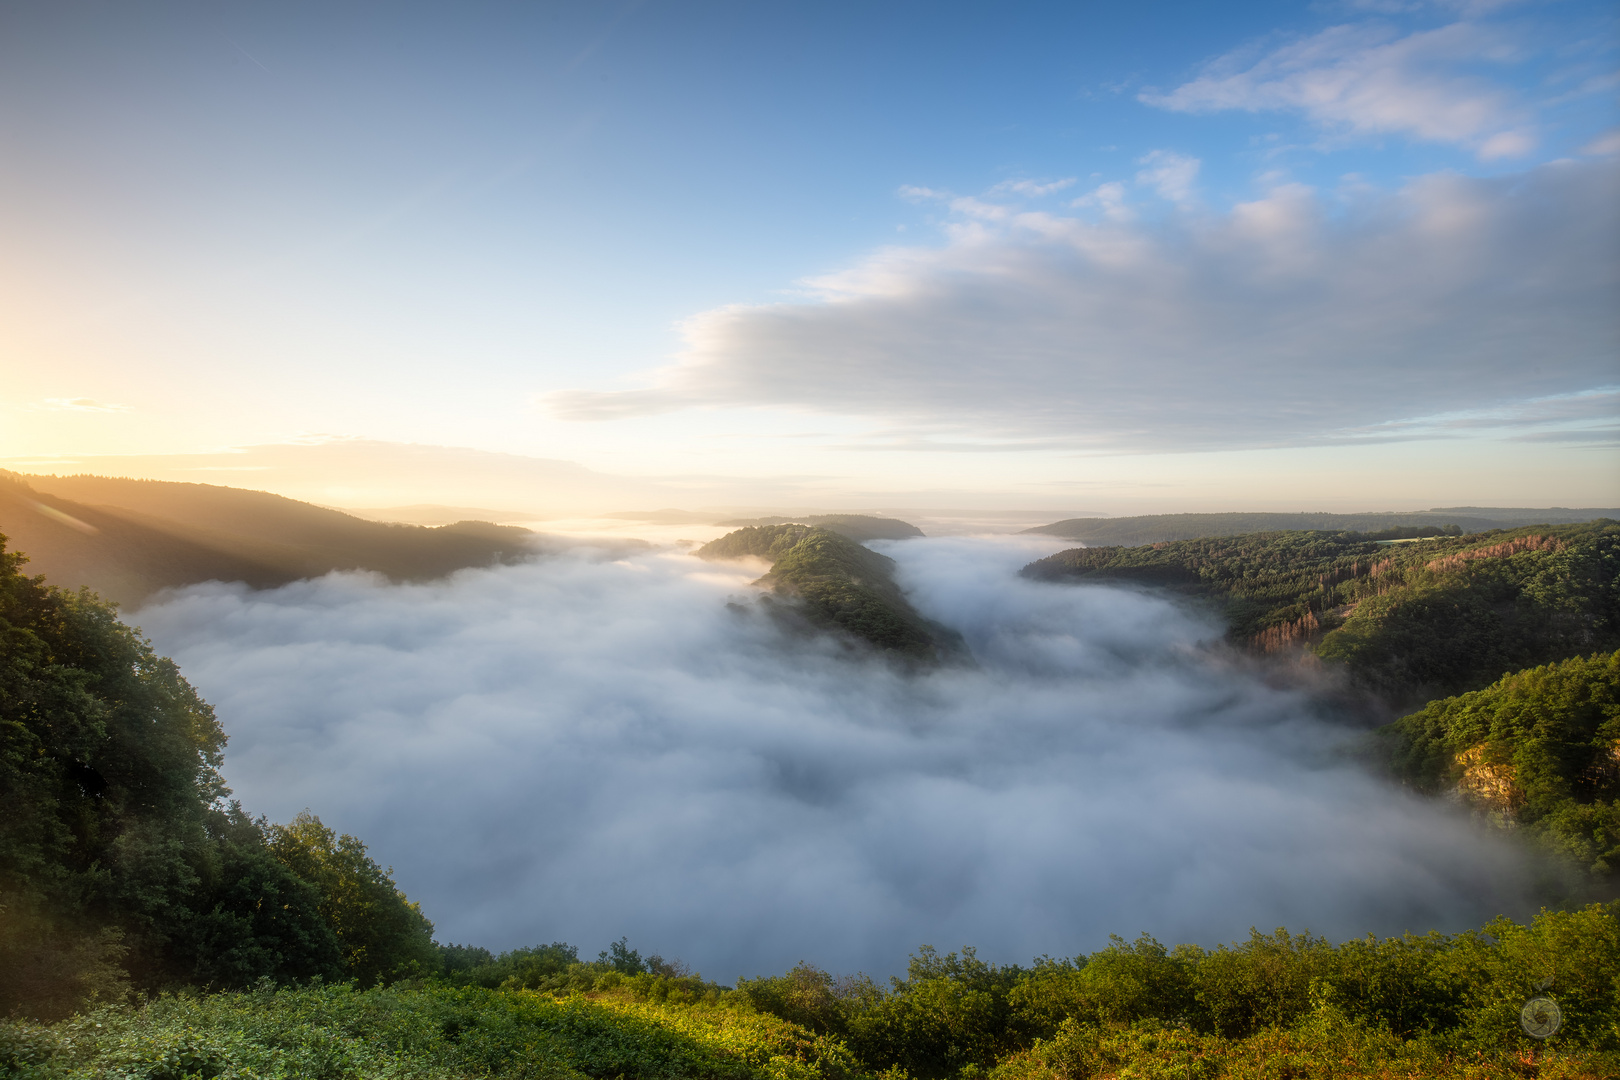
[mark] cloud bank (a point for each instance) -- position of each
(1294, 319)
(597, 743)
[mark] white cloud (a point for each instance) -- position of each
(1033, 188)
(1110, 198)
(1282, 322)
(1604, 145)
(594, 744)
(1507, 144)
(1171, 174)
(1368, 80)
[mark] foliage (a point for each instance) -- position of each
(1539, 749)
(419, 1031)
(122, 865)
(1275, 1004)
(108, 770)
(556, 968)
(1325, 1045)
(381, 934)
(1440, 1004)
(1411, 621)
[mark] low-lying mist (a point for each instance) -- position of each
(598, 743)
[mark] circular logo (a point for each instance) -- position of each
(1540, 1017)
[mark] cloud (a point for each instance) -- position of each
(1110, 198)
(1033, 188)
(1604, 145)
(1561, 418)
(596, 744)
(82, 405)
(1368, 80)
(1170, 174)
(1287, 320)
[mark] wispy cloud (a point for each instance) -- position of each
(1034, 189)
(1605, 145)
(82, 405)
(1170, 174)
(1371, 80)
(1110, 199)
(1556, 418)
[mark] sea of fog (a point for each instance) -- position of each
(611, 740)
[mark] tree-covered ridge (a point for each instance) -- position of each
(1537, 750)
(858, 527)
(1411, 621)
(121, 862)
(838, 584)
(1159, 528)
(127, 539)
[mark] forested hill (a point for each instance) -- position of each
(838, 584)
(1410, 620)
(122, 865)
(126, 539)
(858, 527)
(1158, 528)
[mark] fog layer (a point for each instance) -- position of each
(600, 743)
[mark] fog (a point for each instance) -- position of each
(608, 742)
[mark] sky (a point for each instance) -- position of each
(608, 741)
(1093, 257)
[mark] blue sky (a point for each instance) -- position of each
(1127, 253)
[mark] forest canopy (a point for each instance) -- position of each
(1409, 621)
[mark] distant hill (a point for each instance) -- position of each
(1159, 528)
(127, 539)
(838, 585)
(858, 527)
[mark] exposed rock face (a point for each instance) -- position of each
(1488, 785)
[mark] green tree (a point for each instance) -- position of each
(108, 770)
(381, 934)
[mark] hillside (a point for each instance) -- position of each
(1537, 751)
(127, 539)
(122, 865)
(1410, 621)
(1159, 528)
(837, 584)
